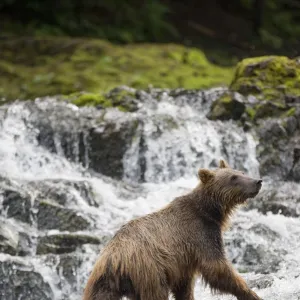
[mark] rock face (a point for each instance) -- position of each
(51, 216)
(19, 281)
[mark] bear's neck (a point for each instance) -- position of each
(210, 206)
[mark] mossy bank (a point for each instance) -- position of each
(33, 67)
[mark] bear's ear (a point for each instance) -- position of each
(205, 175)
(223, 164)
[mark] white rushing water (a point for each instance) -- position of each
(178, 139)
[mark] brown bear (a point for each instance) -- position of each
(163, 252)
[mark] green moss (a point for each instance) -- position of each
(267, 77)
(50, 66)
(291, 112)
(226, 98)
(120, 98)
(91, 99)
(251, 112)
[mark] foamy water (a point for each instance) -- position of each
(177, 139)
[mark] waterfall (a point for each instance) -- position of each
(47, 163)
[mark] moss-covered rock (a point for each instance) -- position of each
(268, 77)
(31, 67)
(273, 80)
(122, 97)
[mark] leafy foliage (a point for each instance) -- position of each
(116, 20)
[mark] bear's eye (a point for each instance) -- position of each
(233, 177)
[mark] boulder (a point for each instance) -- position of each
(273, 80)
(268, 77)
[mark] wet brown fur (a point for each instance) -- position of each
(165, 251)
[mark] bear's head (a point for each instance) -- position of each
(228, 185)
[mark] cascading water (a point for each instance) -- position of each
(171, 140)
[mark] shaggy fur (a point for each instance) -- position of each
(165, 251)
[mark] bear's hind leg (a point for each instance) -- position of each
(185, 289)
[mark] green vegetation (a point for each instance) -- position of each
(266, 23)
(32, 67)
(115, 20)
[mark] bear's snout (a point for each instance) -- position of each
(259, 183)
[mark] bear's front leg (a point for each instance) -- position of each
(184, 290)
(221, 276)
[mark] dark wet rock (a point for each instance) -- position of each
(17, 205)
(275, 150)
(9, 239)
(21, 281)
(107, 146)
(64, 243)
(292, 99)
(51, 216)
(291, 125)
(295, 172)
(228, 106)
(268, 109)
